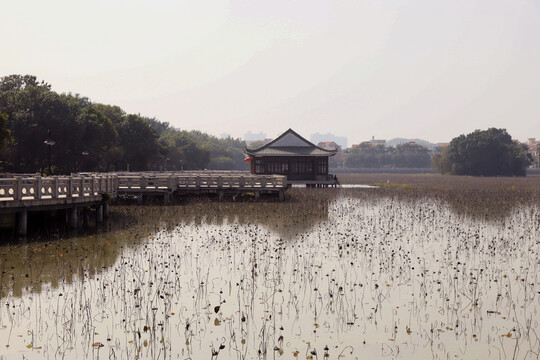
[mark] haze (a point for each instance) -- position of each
(419, 69)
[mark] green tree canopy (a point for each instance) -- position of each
(139, 144)
(408, 155)
(97, 137)
(4, 131)
(483, 153)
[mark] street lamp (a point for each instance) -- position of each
(85, 153)
(49, 142)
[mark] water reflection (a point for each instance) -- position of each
(338, 271)
(65, 258)
(30, 264)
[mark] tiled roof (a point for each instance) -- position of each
(291, 151)
(289, 144)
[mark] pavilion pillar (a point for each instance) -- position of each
(22, 222)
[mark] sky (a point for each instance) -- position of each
(428, 69)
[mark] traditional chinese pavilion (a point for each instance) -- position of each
(292, 155)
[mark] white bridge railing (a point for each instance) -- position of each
(200, 181)
(55, 187)
(35, 187)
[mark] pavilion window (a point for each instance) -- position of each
(301, 167)
(259, 168)
(285, 166)
(277, 166)
(322, 166)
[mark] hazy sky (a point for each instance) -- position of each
(406, 68)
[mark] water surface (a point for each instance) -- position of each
(358, 273)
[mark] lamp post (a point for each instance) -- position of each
(49, 142)
(85, 154)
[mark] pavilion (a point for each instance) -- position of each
(290, 154)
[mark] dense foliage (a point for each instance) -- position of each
(407, 155)
(96, 137)
(483, 153)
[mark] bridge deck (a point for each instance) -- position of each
(35, 192)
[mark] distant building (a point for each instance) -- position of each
(376, 142)
(337, 160)
(533, 148)
(340, 140)
(292, 155)
(250, 137)
(371, 143)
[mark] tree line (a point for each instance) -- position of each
(89, 136)
(407, 155)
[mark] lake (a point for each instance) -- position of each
(330, 273)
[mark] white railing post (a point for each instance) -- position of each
(38, 188)
(70, 186)
(55, 189)
(143, 182)
(17, 194)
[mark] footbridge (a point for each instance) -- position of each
(76, 193)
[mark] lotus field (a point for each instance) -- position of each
(421, 267)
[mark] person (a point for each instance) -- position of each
(336, 181)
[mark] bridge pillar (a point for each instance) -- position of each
(86, 216)
(106, 210)
(140, 199)
(22, 222)
(166, 198)
(73, 219)
(257, 194)
(99, 213)
(221, 195)
(281, 195)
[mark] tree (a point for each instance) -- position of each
(412, 155)
(139, 144)
(99, 137)
(35, 113)
(20, 82)
(407, 155)
(484, 153)
(96, 137)
(4, 131)
(184, 151)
